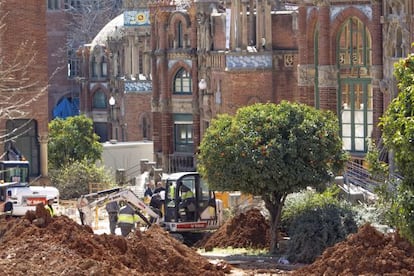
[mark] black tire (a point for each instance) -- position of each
(8, 207)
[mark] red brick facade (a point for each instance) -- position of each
(24, 37)
(311, 61)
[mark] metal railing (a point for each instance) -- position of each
(181, 162)
(356, 174)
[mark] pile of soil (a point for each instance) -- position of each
(40, 245)
(246, 230)
(367, 252)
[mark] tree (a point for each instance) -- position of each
(73, 139)
(270, 151)
(398, 124)
(398, 135)
(88, 17)
(74, 179)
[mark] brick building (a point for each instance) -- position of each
(116, 77)
(169, 78)
(24, 80)
(210, 58)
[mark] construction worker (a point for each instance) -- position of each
(112, 208)
(49, 206)
(127, 219)
(160, 187)
(187, 203)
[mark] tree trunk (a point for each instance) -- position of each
(274, 205)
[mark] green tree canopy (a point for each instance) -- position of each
(72, 139)
(398, 120)
(270, 151)
(398, 135)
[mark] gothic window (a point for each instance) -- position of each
(145, 129)
(94, 67)
(99, 100)
(354, 46)
(179, 35)
(355, 96)
(73, 64)
(104, 67)
(398, 49)
(182, 82)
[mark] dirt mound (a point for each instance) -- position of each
(61, 246)
(246, 230)
(367, 252)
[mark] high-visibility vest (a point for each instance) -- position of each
(50, 209)
(171, 194)
(188, 194)
(125, 216)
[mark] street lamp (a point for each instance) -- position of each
(202, 85)
(113, 119)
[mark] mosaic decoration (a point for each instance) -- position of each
(138, 86)
(365, 9)
(248, 62)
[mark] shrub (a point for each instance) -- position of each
(313, 230)
(315, 221)
(72, 180)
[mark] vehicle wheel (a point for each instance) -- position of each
(178, 237)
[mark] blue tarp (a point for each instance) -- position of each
(66, 108)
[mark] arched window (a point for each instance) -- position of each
(145, 128)
(399, 46)
(99, 100)
(104, 67)
(182, 82)
(180, 35)
(355, 96)
(94, 67)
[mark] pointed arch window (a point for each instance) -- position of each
(94, 67)
(355, 96)
(399, 46)
(180, 35)
(354, 46)
(182, 82)
(104, 67)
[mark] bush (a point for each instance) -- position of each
(299, 202)
(72, 180)
(315, 221)
(313, 230)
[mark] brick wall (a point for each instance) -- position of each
(138, 106)
(25, 30)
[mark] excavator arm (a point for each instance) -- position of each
(86, 204)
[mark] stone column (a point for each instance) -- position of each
(43, 139)
(305, 72)
(377, 73)
(165, 95)
(194, 74)
(267, 28)
(327, 78)
(259, 25)
(244, 26)
(252, 25)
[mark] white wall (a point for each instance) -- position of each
(127, 156)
